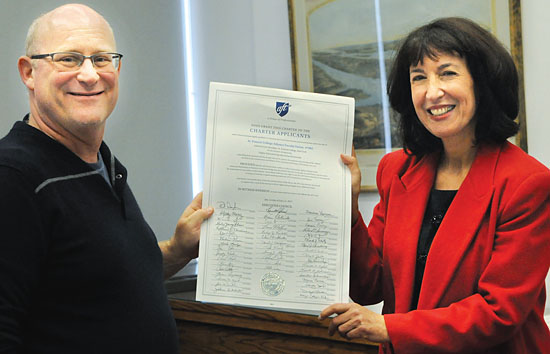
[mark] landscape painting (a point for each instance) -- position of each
(346, 47)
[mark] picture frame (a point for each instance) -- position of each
(336, 46)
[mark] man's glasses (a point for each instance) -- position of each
(70, 61)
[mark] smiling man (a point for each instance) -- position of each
(71, 98)
(80, 269)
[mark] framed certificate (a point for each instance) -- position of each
(280, 234)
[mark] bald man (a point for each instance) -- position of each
(80, 269)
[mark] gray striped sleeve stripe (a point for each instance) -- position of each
(64, 178)
(112, 170)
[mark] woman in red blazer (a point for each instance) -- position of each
(458, 247)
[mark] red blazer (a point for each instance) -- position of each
(483, 287)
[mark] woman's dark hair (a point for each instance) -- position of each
(491, 67)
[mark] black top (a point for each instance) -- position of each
(439, 202)
(80, 269)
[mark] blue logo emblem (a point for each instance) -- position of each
(282, 108)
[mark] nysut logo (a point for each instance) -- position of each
(282, 108)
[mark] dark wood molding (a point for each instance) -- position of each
(516, 49)
(216, 328)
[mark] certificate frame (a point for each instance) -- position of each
(505, 23)
(280, 235)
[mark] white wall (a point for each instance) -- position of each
(240, 42)
(536, 31)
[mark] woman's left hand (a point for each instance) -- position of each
(351, 162)
(355, 321)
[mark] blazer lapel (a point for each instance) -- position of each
(408, 197)
(459, 227)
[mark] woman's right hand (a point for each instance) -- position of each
(351, 162)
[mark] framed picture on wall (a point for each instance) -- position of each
(345, 47)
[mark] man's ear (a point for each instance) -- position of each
(26, 71)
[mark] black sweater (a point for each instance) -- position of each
(80, 269)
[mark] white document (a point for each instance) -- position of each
(280, 233)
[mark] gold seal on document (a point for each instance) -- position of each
(272, 284)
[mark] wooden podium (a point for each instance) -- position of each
(213, 328)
